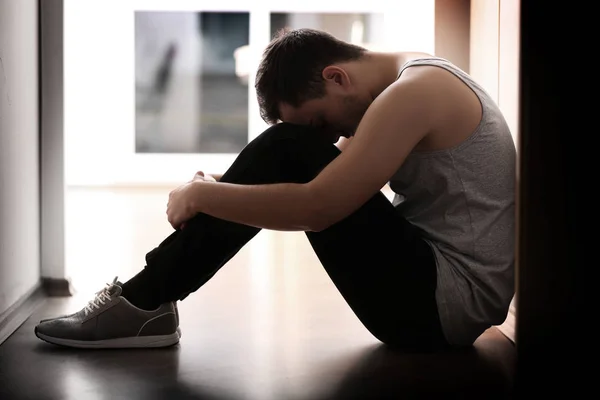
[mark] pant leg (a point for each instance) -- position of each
(376, 259)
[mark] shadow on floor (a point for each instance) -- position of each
(46, 371)
(474, 373)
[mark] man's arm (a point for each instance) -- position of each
(392, 126)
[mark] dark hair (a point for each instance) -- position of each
(292, 65)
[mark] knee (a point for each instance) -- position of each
(287, 131)
(287, 138)
(283, 153)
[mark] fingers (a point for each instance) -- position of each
(209, 178)
(198, 175)
(175, 224)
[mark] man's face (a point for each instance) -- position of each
(338, 114)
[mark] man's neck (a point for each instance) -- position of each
(384, 68)
(407, 56)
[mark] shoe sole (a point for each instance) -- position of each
(119, 343)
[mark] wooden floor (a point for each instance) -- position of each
(269, 326)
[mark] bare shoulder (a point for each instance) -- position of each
(429, 78)
(454, 109)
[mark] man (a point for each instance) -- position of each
(431, 270)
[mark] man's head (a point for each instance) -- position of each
(303, 78)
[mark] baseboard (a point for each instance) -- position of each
(57, 287)
(17, 314)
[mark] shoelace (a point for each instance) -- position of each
(100, 299)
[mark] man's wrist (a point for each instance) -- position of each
(194, 201)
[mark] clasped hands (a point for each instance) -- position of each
(180, 207)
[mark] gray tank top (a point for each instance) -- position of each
(463, 199)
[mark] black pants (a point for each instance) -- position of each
(376, 259)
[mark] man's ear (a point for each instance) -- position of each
(336, 75)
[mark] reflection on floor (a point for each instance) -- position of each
(269, 326)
